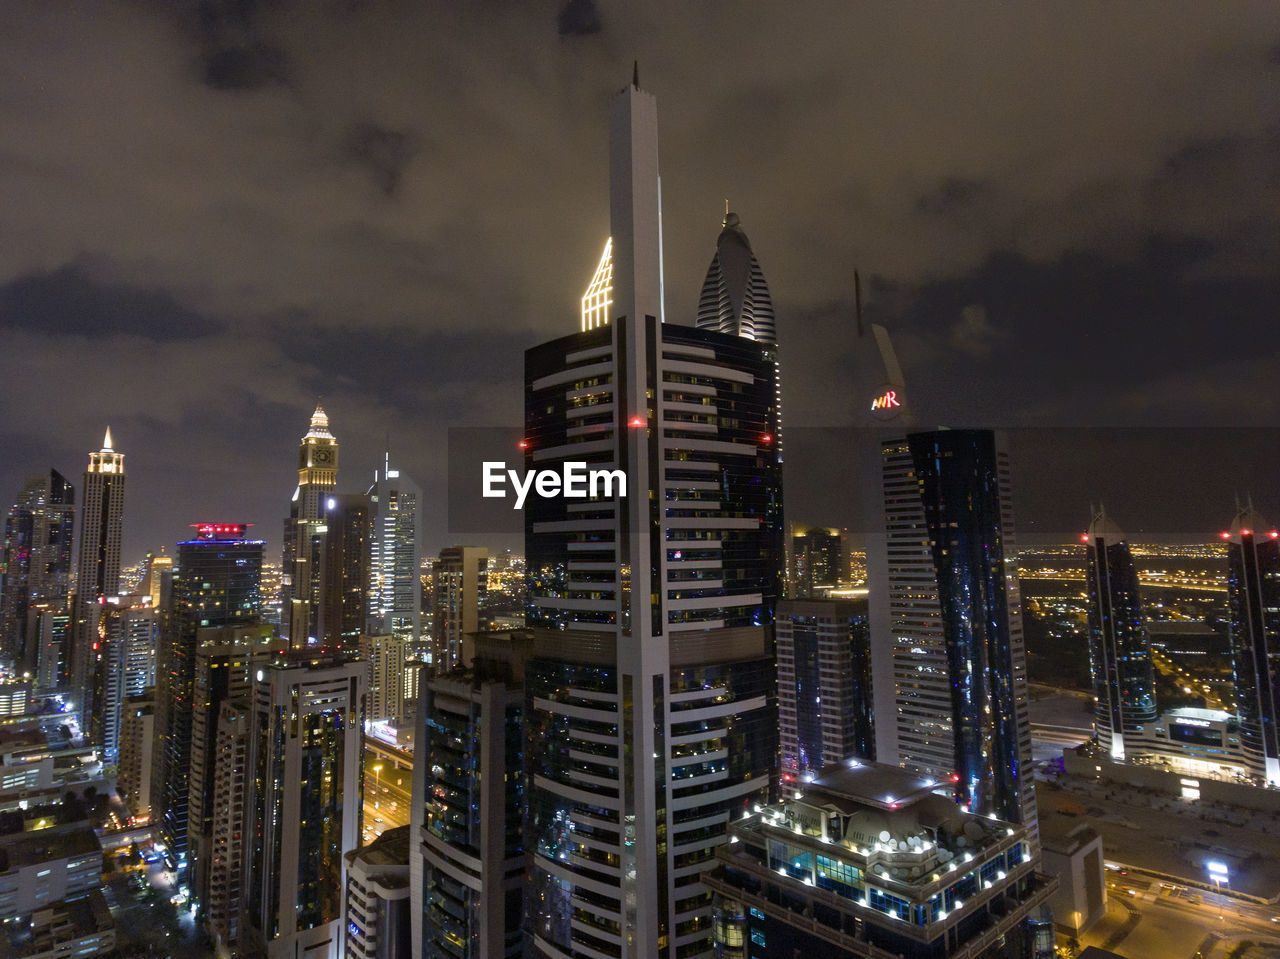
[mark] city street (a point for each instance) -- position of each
(1149, 919)
(387, 794)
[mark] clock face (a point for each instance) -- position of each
(322, 456)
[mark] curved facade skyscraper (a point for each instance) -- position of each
(735, 298)
(1119, 647)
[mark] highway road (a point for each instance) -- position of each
(1151, 919)
(387, 794)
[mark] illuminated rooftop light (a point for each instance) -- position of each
(599, 296)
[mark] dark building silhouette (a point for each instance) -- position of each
(1119, 647)
(1253, 586)
(217, 583)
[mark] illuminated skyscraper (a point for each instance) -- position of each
(36, 562)
(461, 582)
(1124, 685)
(218, 583)
(1253, 586)
(395, 556)
(735, 298)
(819, 561)
(824, 685)
(958, 659)
(303, 552)
(304, 806)
(344, 573)
(125, 665)
(98, 566)
(226, 660)
(651, 680)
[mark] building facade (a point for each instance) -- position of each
(1253, 588)
(98, 561)
(304, 805)
(1124, 685)
(124, 665)
(36, 562)
(227, 658)
(344, 573)
(819, 562)
(460, 586)
(652, 686)
(824, 685)
(395, 556)
(303, 551)
(469, 893)
(137, 753)
(959, 661)
(217, 583)
(378, 920)
(871, 863)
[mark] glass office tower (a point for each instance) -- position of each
(1119, 648)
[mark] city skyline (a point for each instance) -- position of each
(1061, 228)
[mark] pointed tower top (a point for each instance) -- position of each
(1248, 522)
(106, 441)
(1103, 526)
(319, 425)
(635, 74)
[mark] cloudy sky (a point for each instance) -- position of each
(215, 212)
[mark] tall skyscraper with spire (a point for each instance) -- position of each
(652, 681)
(1119, 648)
(303, 553)
(98, 565)
(1253, 589)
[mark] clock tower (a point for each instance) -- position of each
(305, 528)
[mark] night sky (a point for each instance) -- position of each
(212, 213)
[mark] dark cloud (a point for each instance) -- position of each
(244, 67)
(997, 172)
(579, 18)
(955, 196)
(382, 152)
(70, 301)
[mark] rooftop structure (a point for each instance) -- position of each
(877, 862)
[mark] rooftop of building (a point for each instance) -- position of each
(20, 850)
(885, 821)
(853, 784)
(57, 924)
(1063, 831)
(1195, 712)
(389, 850)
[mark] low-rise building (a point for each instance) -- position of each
(870, 862)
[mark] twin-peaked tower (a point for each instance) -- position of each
(651, 682)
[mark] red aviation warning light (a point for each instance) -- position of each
(1226, 535)
(767, 438)
(523, 444)
(638, 422)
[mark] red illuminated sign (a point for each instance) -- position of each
(886, 400)
(214, 530)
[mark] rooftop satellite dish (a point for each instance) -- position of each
(884, 835)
